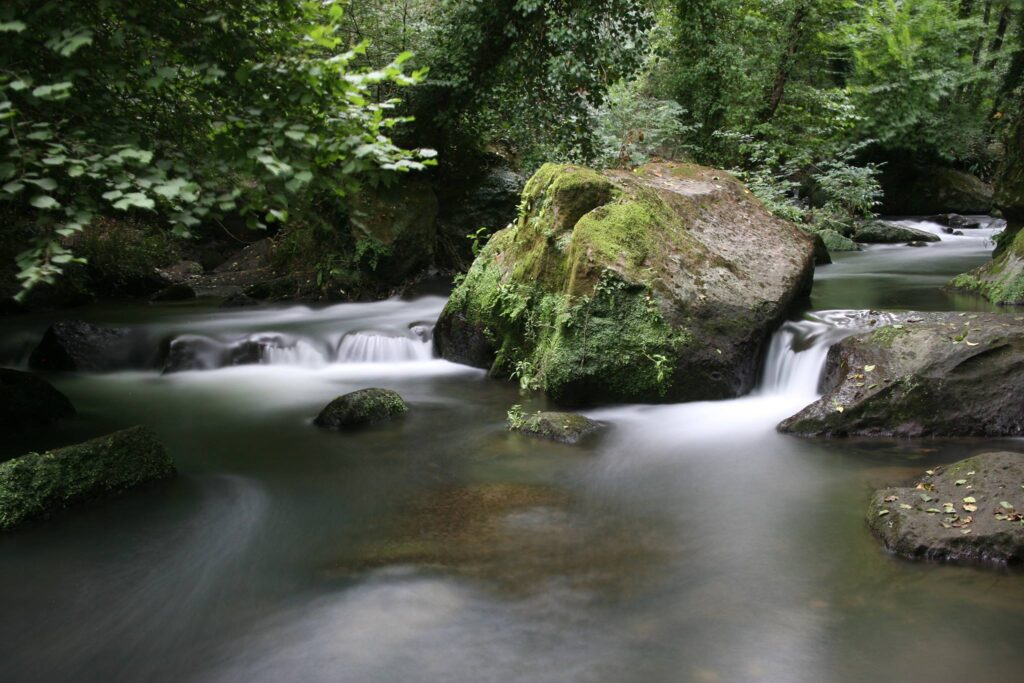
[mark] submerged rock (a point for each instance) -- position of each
(567, 428)
(192, 352)
(923, 374)
(516, 536)
(971, 512)
(881, 232)
(29, 402)
(74, 345)
(362, 407)
(37, 484)
(661, 284)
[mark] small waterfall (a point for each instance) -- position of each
(376, 347)
(796, 359)
(301, 353)
(797, 352)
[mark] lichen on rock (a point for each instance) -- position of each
(660, 284)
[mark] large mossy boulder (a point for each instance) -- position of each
(911, 190)
(360, 408)
(76, 346)
(923, 374)
(38, 484)
(29, 402)
(971, 512)
(661, 284)
(1001, 280)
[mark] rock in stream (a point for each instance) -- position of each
(967, 513)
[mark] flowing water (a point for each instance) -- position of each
(689, 543)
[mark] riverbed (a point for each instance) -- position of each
(688, 542)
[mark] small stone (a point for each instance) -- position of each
(363, 407)
(568, 428)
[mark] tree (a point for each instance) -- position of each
(188, 110)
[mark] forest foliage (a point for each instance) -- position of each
(263, 110)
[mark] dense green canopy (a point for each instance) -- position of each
(259, 109)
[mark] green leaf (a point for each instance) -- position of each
(12, 26)
(45, 184)
(134, 200)
(42, 201)
(53, 91)
(13, 187)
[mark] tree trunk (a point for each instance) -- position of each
(981, 39)
(997, 41)
(796, 31)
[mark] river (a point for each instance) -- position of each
(690, 542)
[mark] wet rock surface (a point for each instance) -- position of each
(969, 512)
(657, 285)
(73, 345)
(38, 484)
(360, 408)
(923, 374)
(568, 428)
(881, 232)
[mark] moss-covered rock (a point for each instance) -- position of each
(359, 408)
(1001, 281)
(1009, 184)
(568, 428)
(656, 285)
(883, 232)
(923, 374)
(836, 242)
(38, 484)
(967, 513)
(29, 402)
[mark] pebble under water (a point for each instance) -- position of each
(689, 542)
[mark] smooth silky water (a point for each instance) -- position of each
(689, 543)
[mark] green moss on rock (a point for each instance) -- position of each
(37, 484)
(1001, 280)
(836, 242)
(359, 408)
(568, 428)
(606, 284)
